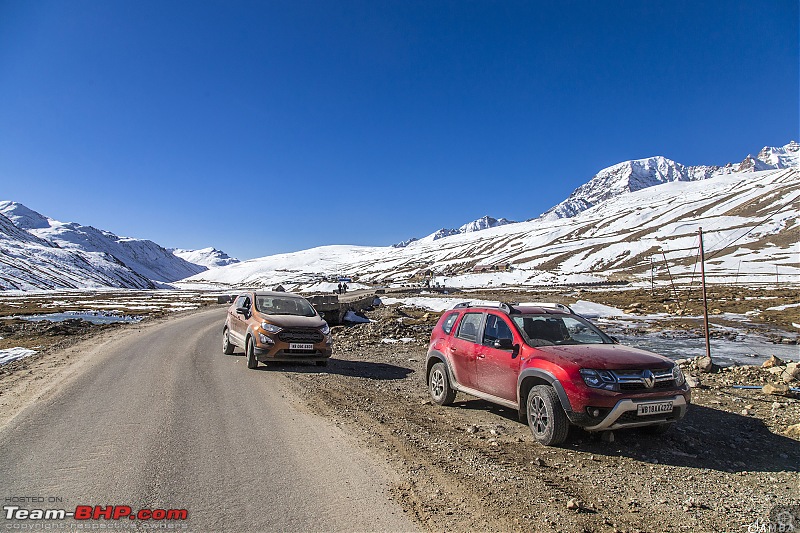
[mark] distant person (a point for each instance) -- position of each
(344, 287)
(340, 289)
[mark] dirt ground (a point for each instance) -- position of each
(474, 467)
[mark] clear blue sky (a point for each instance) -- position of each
(271, 126)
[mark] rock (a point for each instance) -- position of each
(772, 362)
(537, 461)
(793, 431)
(745, 412)
(575, 504)
(775, 389)
(607, 436)
(705, 364)
(792, 373)
(777, 405)
(472, 430)
(693, 382)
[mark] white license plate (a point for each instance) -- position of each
(300, 346)
(644, 409)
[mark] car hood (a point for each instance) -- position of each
(602, 357)
(293, 321)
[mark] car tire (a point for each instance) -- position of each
(546, 417)
(250, 352)
(322, 363)
(439, 385)
(227, 346)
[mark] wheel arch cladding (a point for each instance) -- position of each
(531, 377)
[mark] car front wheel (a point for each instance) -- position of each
(546, 418)
(227, 346)
(250, 352)
(439, 385)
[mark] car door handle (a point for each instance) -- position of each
(452, 348)
(481, 356)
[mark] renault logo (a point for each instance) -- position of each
(648, 379)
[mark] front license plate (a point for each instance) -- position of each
(644, 409)
(299, 346)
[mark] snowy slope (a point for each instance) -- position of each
(28, 262)
(206, 257)
(751, 221)
(144, 257)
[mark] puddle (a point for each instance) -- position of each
(724, 352)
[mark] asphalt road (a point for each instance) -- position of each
(161, 419)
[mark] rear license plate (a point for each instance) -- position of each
(644, 409)
(300, 346)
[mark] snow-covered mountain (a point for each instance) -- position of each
(751, 220)
(38, 252)
(639, 174)
(28, 262)
(207, 257)
(140, 255)
(485, 222)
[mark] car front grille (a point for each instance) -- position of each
(644, 380)
(306, 335)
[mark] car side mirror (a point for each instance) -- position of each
(504, 344)
(242, 311)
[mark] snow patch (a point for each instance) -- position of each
(353, 318)
(13, 354)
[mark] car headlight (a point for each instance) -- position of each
(599, 379)
(270, 328)
(264, 339)
(677, 375)
(325, 329)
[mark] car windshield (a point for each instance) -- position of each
(271, 305)
(548, 330)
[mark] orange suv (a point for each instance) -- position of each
(276, 326)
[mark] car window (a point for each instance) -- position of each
(246, 303)
(468, 328)
(447, 325)
(545, 330)
(240, 301)
(284, 306)
(496, 328)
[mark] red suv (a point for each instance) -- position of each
(554, 367)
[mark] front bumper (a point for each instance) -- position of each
(281, 354)
(623, 414)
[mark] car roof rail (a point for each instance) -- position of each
(549, 305)
(508, 308)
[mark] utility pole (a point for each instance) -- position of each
(705, 299)
(652, 278)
